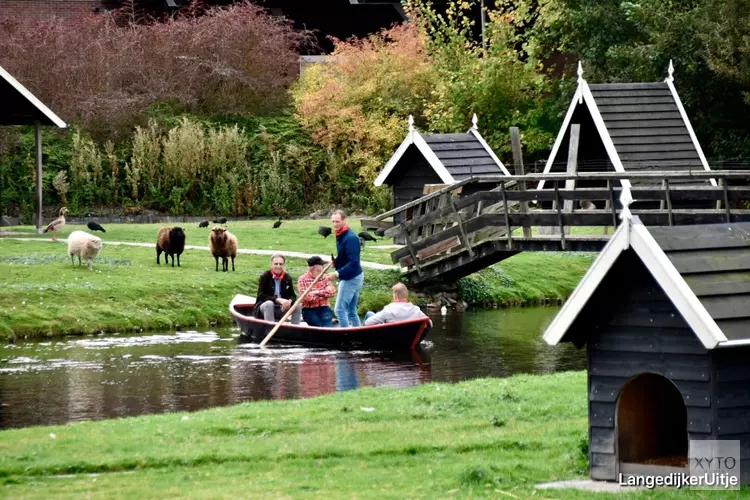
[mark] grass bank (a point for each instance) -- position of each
(484, 438)
(42, 294)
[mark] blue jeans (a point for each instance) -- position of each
(368, 315)
(318, 316)
(346, 301)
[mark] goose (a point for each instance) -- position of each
(57, 224)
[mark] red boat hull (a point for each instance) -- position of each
(389, 336)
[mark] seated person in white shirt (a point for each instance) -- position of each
(398, 310)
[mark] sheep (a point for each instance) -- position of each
(171, 241)
(84, 245)
(223, 244)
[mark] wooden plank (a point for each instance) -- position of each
(432, 188)
(701, 238)
(602, 218)
(437, 147)
(602, 414)
(727, 307)
(634, 133)
(464, 153)
(732, 283)
(732, 394)
(661, 147)
(733, 420)
(515, 139)
(572, 166)
(462, 230)
(699, 420)
(439, 247)
(672, 366)
(714, 260)
(622, 100)
(376, 224)
(602, 440)
(647, 339)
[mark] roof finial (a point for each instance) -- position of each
(670, 72)
(411, 123)
(580, 72)
(474, 121)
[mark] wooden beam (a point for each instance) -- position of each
(439, 247)
(572, 168)
(669, 202)
(508, 228)
(377, 224)
(39, 177)
(464, 237)
(515, 141)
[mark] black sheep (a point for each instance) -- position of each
(324, 231)
(203, 224)
(223, 220)
(171, 241)
(277, 224)
(366, 236)
(95, 227)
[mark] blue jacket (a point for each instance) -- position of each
(347, 261)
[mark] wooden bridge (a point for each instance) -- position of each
(448, 236)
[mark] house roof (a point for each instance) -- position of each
(704, 270)
(643, 126)
(454, 157)
(21, 107)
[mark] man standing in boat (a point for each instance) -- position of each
(316, 308)
(398, 310)
(276, 293)
(348, 271)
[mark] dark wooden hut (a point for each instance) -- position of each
(664, 314)
(437, 159)
(628, 127)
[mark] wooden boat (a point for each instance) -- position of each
(399, 335)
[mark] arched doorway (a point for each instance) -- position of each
(651, 425)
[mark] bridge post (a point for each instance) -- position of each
(515, 142)
(575, 134)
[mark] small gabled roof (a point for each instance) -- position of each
(454, 157)
(21, 107)
(643, 126)
(704, 270)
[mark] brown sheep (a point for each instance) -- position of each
(223, 244)
(171, 241)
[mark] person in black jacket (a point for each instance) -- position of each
(276, 293)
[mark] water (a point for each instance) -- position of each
(107, 376)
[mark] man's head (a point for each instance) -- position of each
(277, 263)
(338, 219)
(400, 292)
(315, 266)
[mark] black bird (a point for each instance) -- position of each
(366, 236)
(277, 224)
(324, 231)
(95, 227)
(223, 220)
(203, 224)
(380, 232)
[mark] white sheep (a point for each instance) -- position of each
(86, 246)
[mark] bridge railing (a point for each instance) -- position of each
(442, 222)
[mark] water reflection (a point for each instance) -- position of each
(101, 377)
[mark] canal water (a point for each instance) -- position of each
(107, 376)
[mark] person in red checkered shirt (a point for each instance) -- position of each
(316, 306)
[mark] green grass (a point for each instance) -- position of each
(42, 294)
(293, 235)
(484, 438)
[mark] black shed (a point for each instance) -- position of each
(664, 314)
(444, 159)
(628, 127)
